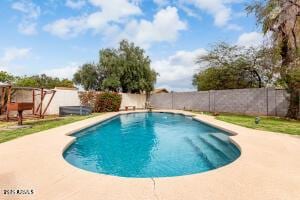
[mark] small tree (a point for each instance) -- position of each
(234, 67)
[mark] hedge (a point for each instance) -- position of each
(101, 101)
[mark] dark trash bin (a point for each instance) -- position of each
(74, 110)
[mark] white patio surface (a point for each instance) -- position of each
(268, 169)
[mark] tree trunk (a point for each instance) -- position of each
(293, 109)
(258, 78)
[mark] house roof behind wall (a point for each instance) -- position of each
(65, 88)
(3, 84)
(160, 90)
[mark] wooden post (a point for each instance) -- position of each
(41, 105)
(53, 93)
(33, 101)
(20, 117)
(2, 100)
(8, 102)
(37, 109)
(9, 95)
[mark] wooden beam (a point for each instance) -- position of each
(50, 100)
(2, 100)
(20, 117)
(33, 101)
(41, 104)
(9, 95)
(8, 101)
(37, 111)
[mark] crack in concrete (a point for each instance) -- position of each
(154, 188)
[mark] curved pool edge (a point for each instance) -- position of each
(194, 116)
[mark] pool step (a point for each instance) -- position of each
(226, 144)
(222, 157)
(201, 153)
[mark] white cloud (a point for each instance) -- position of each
(27, 7)
(190, 12)
(66, 28)
(250, 39)
(31, 12)
(114, 23)
(165, 27)
(10, 58)
(219, 9)
(176, 71)
(234, 27)
(27, 28)
(13, 54)
(62, 72)
(110, 11)
(75, 4)
(161, 2)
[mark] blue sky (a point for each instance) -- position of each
(57, 36)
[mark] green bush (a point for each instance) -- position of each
(107, 102)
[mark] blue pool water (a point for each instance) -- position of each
(151, 145)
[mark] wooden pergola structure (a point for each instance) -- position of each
(6, 104)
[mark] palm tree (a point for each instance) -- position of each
(281, 18)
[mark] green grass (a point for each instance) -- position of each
(273, 124)
(37, 126)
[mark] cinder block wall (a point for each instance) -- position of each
(162, 100)
(191, 100)
(137, 100)
(254, 101)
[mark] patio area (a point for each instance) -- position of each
(267, 169)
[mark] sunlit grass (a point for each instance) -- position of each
(37, 125)
(273, 124)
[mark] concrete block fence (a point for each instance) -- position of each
(254, 101)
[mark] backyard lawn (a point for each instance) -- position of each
(266, 123)
(37, 125)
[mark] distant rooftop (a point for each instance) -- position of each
(3, 84)
(65, 88)
(160, 90)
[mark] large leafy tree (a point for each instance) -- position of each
(35, 81)
(43, 81)
(5, 77)
(125, 69)
(110, 64)
(234, 67)
(136, 74)
(281, 18)
(89, 76)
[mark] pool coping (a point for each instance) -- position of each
(268, 168)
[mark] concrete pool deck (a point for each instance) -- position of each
(268, 169)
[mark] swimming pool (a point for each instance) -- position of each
(151, 145)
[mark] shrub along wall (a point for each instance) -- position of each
(101, 101)
(88, 98)
(107, 102)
